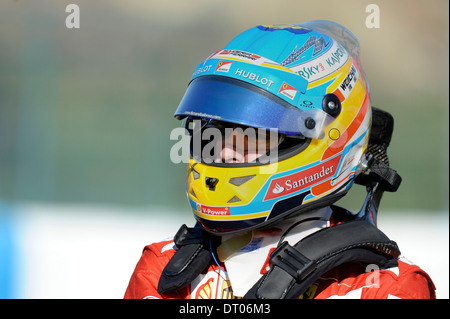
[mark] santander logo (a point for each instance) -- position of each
(300, 180)
(278, 189)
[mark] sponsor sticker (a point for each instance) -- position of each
(288, 91)
(323, 65)
(301, 180)
(214, 210)
(253, 77)
(344, 89)
(223, 66)
(202, 69)
(241, 56)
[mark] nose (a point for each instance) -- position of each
(231, 151)
(230, 155)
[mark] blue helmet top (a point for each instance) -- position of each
(266, 86)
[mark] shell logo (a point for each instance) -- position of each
(205, 291)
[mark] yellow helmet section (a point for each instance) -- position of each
(228, 198)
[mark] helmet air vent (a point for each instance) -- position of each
(195, 173)
(234, 199)
(238, 181)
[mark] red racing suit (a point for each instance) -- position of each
(351, 280)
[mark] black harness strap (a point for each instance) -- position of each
(192, 257)
(294, 269)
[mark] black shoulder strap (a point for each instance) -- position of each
(192, 257)
(295, 268)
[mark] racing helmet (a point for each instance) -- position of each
(300, 85)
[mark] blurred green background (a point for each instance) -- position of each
(85, 114)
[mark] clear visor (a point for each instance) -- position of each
(344, 37)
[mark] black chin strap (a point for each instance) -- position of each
(192, 257)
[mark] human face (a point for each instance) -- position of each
(217, 142)
(243, 144)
